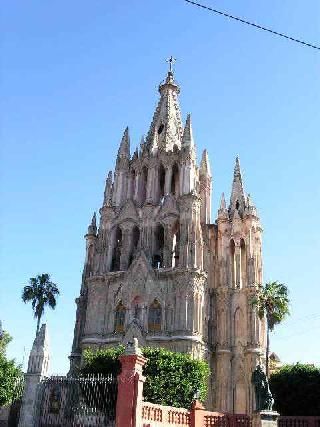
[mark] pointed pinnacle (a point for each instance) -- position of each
(108, 190)
(187, 138)
(237, 192)
(92, 229)
(237, 170)
(41, 339)
(124, 149)
(142, 142)
(94, 220)
(223, 204)
(205, 164)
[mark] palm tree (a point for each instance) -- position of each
(41, 292)
(271, 302)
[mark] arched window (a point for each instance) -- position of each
(160, 129)
(243, 263)
(117, 250)
(162, 179)
(233, 264)
(154, 317)
(144, 183)
(119, 318)
(176, 244)
(135, 242)
(175, 180)
(157, 260)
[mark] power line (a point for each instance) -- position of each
(259, 27)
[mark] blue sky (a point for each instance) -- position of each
(74, 74)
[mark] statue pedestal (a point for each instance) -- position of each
(265, 419)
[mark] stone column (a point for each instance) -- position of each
(136, 187)
(168, 179)
(130, 387)
(237, 265)
(167, 250)
(150, 185)
(111, 244)
(37, 370)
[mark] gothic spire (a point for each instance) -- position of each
(205, 169)
(92, 229)
(124, 149)
(166, 128)
(237, 200)
(107, 200)
(187, 139)
(223, 205)
(223, 212)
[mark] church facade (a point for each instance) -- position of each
(156, 268)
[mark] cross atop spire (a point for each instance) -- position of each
(171, 62)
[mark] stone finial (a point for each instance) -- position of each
(107, 199)
(187, 139)
(142, 142)
(237, 199)
(222, 212)
(237, 170)
(223, 205)
(124, 149)
(205, 169)
(38, 367)
(132, 348)
(92, 229)
(39, 355)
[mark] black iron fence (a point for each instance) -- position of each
(76, 401)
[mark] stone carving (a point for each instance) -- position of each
(264, 399)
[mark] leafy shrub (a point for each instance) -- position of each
(172, 378)
(10, 375)
(104, 361)
(296, 390)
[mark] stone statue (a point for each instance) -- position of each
(264, 399)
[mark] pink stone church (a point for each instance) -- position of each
(157, 268)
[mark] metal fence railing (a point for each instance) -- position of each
(76, 401)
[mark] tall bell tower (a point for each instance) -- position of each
(240, 334)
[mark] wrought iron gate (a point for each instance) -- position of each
(76, 401)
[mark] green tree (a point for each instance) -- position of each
(10, 374)
(272, 302)
(296, 390)
(172, 378)
(4, 341)
(41, 292)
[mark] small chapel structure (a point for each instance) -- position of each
(157, 267)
